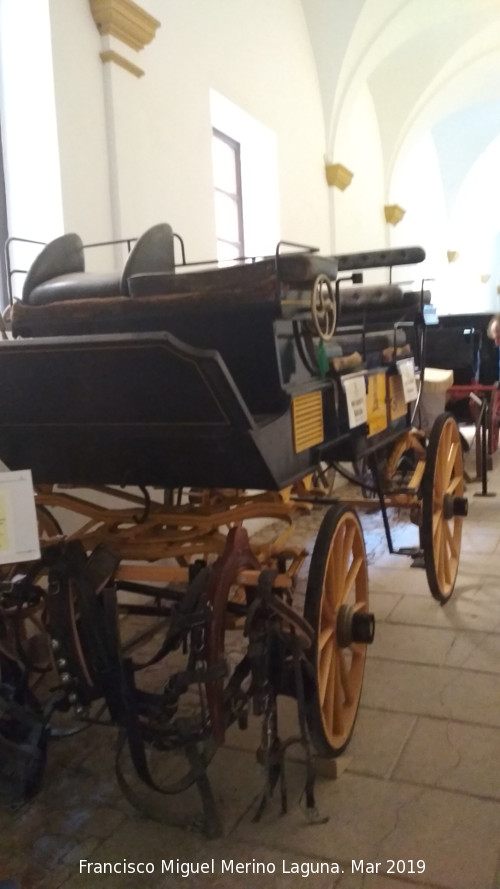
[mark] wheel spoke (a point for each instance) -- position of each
(437, 519)
(329, 698)
(347, 550)
(327, 612)
(326, 667)
(450, 463)
(345, 679)
(324, 636)
(351, 577)
(441, 553)
(450, 539)
(332, 576)
(338, 706)
(453, 484)
(357, 649)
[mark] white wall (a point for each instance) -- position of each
(474, 226)
(416, 185)
(358, 212)
(81, 121)
(254, 53)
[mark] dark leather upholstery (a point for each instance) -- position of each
(63, 256)
(153, 252)
(57, 274)
(76, 286)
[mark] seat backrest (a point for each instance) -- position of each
(59, 257)
(152, 252)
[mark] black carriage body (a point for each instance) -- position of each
(142, 409)
(206, 378)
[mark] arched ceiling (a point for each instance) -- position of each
(428, 64)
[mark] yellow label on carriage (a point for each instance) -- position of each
(397, 402)
(376, 403)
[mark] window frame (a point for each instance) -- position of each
(236, 196)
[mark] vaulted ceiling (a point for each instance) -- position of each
(428, 66)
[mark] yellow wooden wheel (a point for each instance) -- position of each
(336, 606)
(443, 507)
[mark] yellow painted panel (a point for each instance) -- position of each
(307, 421)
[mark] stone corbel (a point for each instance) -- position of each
(124, 21)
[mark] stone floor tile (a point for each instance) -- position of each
(377, 741)
(378, 820)
(488, 564)
(369, 881)
(452, 755)
(459, 613)
(400, 642)
(398, 577)
(382, 603)
(432, 691)
(465, 643)
(361, 812)
(443, 829)
(479, 537)
(475, 651)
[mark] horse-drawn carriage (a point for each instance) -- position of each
(164, 408)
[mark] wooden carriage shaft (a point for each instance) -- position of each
(226, 511)
(179, 574)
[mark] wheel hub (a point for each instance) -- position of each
(454, 506)
(354, 626)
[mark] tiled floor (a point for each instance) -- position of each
(419, 784)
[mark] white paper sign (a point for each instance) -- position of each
(355, 393)
(18, 522)
(406, 370)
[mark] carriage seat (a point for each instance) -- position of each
(295, 270)
(58, 273)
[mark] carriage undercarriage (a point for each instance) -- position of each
(178, 561)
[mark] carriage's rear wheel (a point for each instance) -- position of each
(336, 606)
(443, 507)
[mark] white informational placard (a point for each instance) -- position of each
(355, 393)
(18, 522)
(406, 368)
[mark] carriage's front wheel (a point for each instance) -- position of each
(336, 606)
(443, 507)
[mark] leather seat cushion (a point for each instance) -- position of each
(76, 286)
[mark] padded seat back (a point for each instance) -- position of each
(58, 273)
(152, 253)
(62, 256)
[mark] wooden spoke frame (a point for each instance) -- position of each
(441, 529)
(337, 590)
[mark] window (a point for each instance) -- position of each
(237, 134)
(228, 196)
